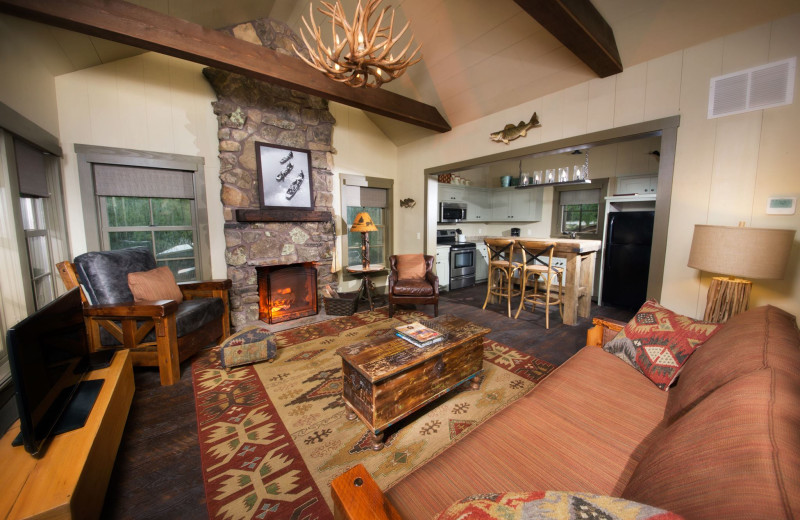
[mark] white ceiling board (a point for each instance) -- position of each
(37, 40)
(647, 29)
(398, 132)
(479, 57)
(109, 51)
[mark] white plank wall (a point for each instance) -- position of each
(724, 168)
(149, 102)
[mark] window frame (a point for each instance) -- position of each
(89, 155)
(556, 222)
(106, 229)
(581, 212)
(383, 228)
(388, 216)
(16, 296)
(40, 229)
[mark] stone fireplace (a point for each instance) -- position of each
(250, 111)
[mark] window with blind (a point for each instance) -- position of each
(41, 215)
(579, 211)
(32, 225)
(356, 199)
(150, 207)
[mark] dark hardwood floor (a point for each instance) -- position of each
(157, 473)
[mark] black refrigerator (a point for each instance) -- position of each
(626, 267)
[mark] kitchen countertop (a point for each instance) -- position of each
(564, 245)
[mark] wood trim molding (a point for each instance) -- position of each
(568, 144)
(581, 28)
(123, 22)
(19, 125)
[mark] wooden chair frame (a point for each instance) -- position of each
(533, 265)
(137, 319)
(502, 267)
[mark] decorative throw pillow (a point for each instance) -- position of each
(657, 342)
(543, 505)
(410, 267)
(156, 284)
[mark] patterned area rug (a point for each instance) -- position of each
(274, 435)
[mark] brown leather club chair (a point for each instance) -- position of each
(411, 280)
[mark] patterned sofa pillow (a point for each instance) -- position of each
(657, 342)
(546, 505)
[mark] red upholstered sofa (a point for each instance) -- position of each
(724, 442)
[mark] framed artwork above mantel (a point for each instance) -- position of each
(284, 177)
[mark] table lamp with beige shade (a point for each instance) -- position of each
(740, 253)
(363, 224)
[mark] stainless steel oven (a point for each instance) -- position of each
(462, 265)
(450, 212)
(462, 258)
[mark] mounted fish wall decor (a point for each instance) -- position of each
(511, 132)
(407, 203)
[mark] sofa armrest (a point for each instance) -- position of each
(433, 280)
(356, 496)
(596, 336)
(153, 309)
(206, 286)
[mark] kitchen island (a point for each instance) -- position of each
(579, 277)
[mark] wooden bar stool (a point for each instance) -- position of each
(501, 269)
(537, 262)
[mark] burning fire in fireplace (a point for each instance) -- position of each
(284, 301)
(287, 292)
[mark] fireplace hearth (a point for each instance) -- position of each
(287, 292)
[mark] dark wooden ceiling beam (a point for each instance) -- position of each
(130, 24)
(581, 28)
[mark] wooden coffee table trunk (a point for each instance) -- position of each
(387, 378)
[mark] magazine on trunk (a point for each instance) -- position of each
(418, 334)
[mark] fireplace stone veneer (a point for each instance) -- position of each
(248, 111)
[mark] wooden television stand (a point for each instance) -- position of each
(70, 479)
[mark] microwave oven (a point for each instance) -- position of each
(452, 212)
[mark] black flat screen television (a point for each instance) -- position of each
(49, 358)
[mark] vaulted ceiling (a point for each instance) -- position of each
(478, 57)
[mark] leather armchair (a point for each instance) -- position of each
(404, 290)
(159, 333)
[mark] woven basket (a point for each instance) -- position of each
(345, 305)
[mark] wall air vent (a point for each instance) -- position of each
(767, 86)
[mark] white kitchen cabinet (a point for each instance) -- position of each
(443, 266)
(481, 263)
(450, 193)
(639, 184)
(512, 205)
(479, 205)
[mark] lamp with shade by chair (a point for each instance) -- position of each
(740, 253)
(363, 224)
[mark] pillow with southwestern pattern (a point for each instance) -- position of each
(410, 267)
(156, 284)
(657, 342)
(556, 505)
(250, 345)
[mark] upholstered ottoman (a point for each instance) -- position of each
(250, 345)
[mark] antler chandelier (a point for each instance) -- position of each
(363, 57)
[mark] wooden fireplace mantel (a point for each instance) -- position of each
(282, 215)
